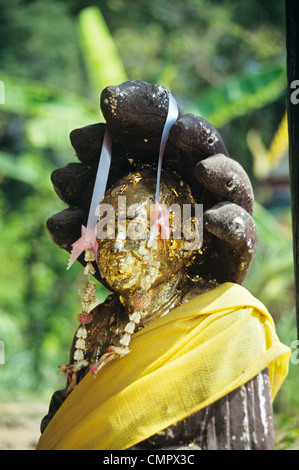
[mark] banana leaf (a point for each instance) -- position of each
(30, 97)
(266, 160)
(28, 168)
(50, 112)
(271, 277)
(240, 94)
(100, 54)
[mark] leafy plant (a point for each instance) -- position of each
(37, 297)
(271, 278)
(241, 94)
(101, 57)
(266, 160)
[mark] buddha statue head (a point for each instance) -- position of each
(134, 256)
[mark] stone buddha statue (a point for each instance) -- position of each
(211, 241)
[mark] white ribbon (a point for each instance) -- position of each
(172, 116)
(88, 239)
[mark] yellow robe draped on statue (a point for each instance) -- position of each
(179, 364)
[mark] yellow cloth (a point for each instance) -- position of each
(179, 364)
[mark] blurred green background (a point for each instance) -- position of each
(224, 60)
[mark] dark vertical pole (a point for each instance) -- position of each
(292, 29)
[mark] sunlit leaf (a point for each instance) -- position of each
(26, 168)
(239, 95)
(266, 160)
(99, 51)
(33, 98)
(272, 275)
(51, 113)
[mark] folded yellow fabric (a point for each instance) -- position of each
(179, 364)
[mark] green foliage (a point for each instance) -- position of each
(32, 271)
(271, 278)
(240, 94)
(38, 40)
(99, 51)
(38, 301)
(51, 112)
(286, 403)
(220, 59)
